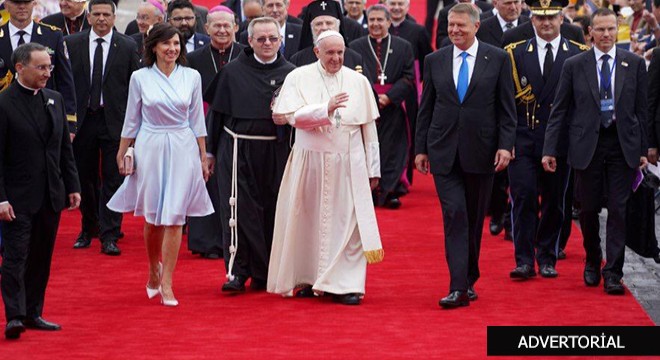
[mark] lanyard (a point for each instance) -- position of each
(603, 84)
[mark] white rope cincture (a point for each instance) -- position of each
(233, 198)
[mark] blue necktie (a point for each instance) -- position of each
(606, 90)
(461, 87)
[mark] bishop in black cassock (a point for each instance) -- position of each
(205, 233)
(390, 68)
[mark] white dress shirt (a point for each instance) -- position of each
(541, 50)
(471, 59)
(13, 36)
(504, 22)
(610, 63)
(92, 49)
(190, 44)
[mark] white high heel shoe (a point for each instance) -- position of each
(173, 302)
(152, 293)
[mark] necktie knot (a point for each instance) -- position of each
(509, 26)
(464, 55)
(605, 58)
(21, 32)
(548, 46)
(99, 41)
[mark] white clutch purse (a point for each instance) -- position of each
(129, 161)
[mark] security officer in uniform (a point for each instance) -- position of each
(537, 64)
(22, 29)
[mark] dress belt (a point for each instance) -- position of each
(233, 199)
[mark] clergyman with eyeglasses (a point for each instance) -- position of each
(38, 179)
(251, 152)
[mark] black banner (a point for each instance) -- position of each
(573, 340)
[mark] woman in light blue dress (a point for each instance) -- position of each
(165, 121)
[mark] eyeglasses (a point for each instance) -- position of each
(179, 19)
(272, 39)
(48, 68)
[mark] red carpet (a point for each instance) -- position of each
(101, 303)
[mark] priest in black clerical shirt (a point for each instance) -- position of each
(321, 16)
(38, 179)
(390, 68)
(205, 233)
(249, 173)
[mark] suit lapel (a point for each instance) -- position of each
(112, 54)
(562, 54)
(619, 74)
(84, 51)
(480, 65)
(50, 112)
(590, 72)
(449, 72)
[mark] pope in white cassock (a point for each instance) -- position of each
(325, 224)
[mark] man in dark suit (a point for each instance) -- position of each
(102, 70)
(37, 180)
(355, 11)
(181, 15)
(654, 105)
(537, 65)
(290, 32)
(601, 106)
(148, 14)
(465, 131)
(71, 19)
(526, 31)
(441, 31)
(508, 17)
(20, 29)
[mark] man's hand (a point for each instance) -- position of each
(643, 162)
(549, 163)
(422, 163)
(74, 201)
(383, 101)
(7, 212)
(279, 119)
(373, 183)
(337, 102)
(652, 155)
(502, 158)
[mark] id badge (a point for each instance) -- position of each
(606, 105)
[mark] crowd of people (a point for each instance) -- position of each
(303, 125)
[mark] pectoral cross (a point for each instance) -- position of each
(382, 77)
(323, 5)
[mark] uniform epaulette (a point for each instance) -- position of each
(52, 27)
(582, 46)
(513, 45)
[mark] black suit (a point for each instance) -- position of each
(526, 31)
(58, 20)
(605, 158)
(461, 140)
(654, 99)
(491, 32)
(99, 131)
(61, 78)
(291, 39)
(441, 31)
(37, 172)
